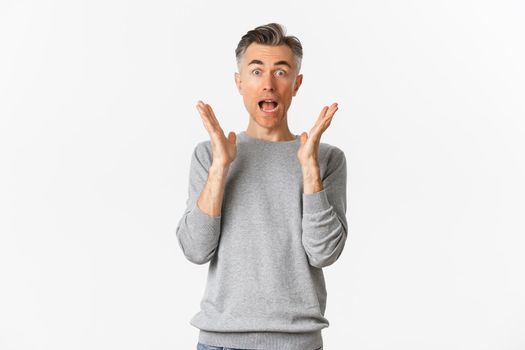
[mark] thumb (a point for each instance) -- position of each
(304, 137)
(232, 137)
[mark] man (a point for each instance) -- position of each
(266, 208)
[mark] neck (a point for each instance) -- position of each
(270, 135)
(275, 133)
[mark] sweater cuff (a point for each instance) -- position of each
(315, 202)
(202, 216)
(202, 222)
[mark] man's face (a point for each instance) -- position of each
(268, 73)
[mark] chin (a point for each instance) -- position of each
(268, 123)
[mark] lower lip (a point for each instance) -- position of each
(269, 112)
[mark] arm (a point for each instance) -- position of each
(210, 199)
(198, 230)
(324, 224)
(324, 200)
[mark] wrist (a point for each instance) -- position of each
(219, 167)
(312, 180)
(312, 186)
(311, 172)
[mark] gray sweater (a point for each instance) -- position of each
(265, 285)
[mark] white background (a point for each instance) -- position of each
(98, 122)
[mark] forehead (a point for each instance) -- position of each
(268, 54)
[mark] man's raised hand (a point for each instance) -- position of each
(224, 149)
(309, 148)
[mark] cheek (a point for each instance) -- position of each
(249, 91)
(249, 83)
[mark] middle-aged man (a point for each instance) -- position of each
(266, 208)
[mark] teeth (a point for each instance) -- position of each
(269, 110)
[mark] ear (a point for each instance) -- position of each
(298, 82)
(237, 77)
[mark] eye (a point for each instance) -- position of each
(283, 72)
(256, 70)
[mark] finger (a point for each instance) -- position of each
(320, 124)
(207, 113)
(326, 121)
(213, 117)
(320, 118)
(326, 124)
(203, 111)
(303, 137)
(209, 110)
(329, 116)
(318, 130)
(205, 118)
(327, 112)
(216, 127)
(232, 137)
(331, 111)
(323, 112)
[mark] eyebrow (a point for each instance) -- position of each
(282, 62)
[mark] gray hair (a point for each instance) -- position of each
(270, 34)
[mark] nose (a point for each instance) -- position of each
(268, 83)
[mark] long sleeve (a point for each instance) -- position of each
(324, 224)
(197, 232)
(265, 287)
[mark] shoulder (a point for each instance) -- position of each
(203, 145)
(331, 153)
(202, 152)
(332, 160)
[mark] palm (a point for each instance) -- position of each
(224, 148)
(309, 148)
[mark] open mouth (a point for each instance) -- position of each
(268, 106)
